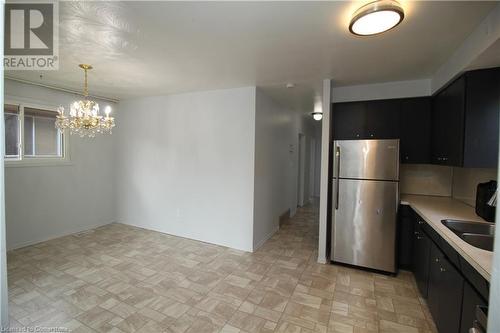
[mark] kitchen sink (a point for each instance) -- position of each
(484, 242)
(470, 227)
(478, 234)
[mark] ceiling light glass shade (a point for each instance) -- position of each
(317, 115)
(376, 17)
(84, 118)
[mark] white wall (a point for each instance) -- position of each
(386, 90)
(494, 300)
(45, 202)
(276, 135)
(185, 165)
(277, 130)
(317, 164)
(325, 153)
(483, 36)
(4, 297)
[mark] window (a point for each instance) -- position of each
(31, 135)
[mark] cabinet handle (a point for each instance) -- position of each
(445, 158)
(442, 269)
(418, 237)
(436, 260)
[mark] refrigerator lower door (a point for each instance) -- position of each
(364, 223)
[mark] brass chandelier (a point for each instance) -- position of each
(84, 118)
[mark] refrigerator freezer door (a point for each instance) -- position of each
(364, 225)
(367, 159)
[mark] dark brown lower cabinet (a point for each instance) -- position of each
(470, 301)
(421, 257)
(445, 292)
(451, 286)
(406, 226)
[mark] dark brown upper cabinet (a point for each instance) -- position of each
(465, 121)
(458, 126)
(482, 108)
(348, 121)
(366, 120)
(415, 130)
(448, 117)
(407, 119)
(382, 119)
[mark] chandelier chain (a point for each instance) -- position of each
(85, 87)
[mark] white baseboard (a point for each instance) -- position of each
(322, 260)
(58, 235)
(183, 235)
(262, 241)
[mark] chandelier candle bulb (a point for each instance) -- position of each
(84, 118)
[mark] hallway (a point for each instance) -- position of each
(119, 278)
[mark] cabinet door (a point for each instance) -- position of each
(421, 257)
(382, 119)
(470, 301)
(450, 306)
(406, 230)
(445, 292)
(435, 282)
(482, 118)
(415, 130)
(348, 121)
(448, 124)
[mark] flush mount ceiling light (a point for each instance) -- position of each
(317, 115)
(376, 17)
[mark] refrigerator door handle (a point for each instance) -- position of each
(337, 183)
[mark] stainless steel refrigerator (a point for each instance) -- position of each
(365, 203)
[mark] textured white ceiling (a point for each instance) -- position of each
(153, 48)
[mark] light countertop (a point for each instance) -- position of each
(434, 209)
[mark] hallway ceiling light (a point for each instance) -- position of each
(317, 115)
(84, 118)
(376, 17)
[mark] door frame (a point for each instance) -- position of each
(301, 174)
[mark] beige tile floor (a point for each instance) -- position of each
(119, 278)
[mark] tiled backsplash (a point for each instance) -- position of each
(426, 179)
(465, 183)
(459, 183)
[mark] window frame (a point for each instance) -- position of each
(22, 160)
(13, 157)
